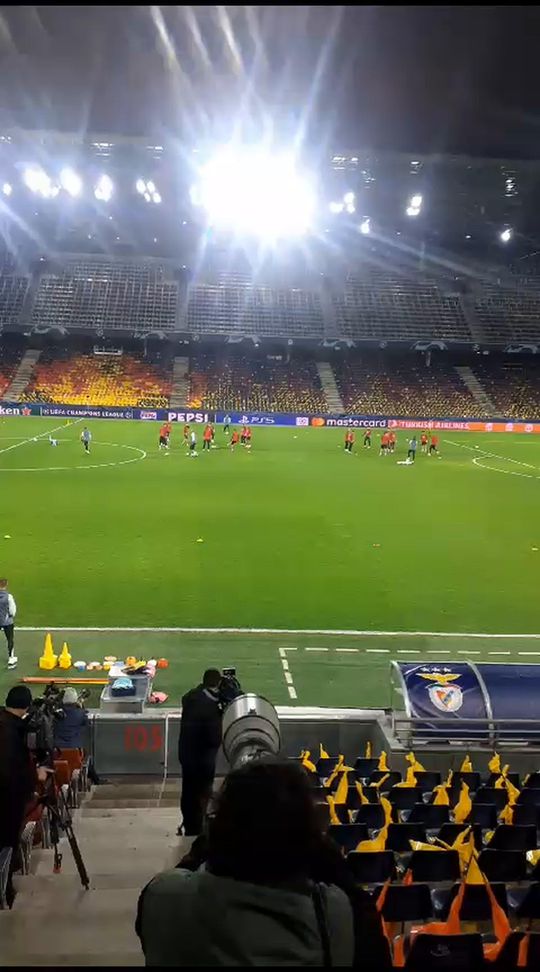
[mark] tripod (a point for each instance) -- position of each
(59, 819)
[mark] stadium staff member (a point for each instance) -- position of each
(18, 775)
(8, 610)
(198, 744)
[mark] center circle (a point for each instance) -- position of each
(52, 454)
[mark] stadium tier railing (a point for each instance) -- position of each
(519, 733)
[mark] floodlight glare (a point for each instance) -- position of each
(350, 208)
(348, 198)
(416, 201)
(150, 186)
(336, 207)
(412, 211)
(37, 180)
(7, 189)
(156, 197)
(70, 182)
(254, 193)
(506, 235)
(104, 188)
(140, 186)
(365, 227)
(147, 196)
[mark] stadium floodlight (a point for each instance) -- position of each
(505, 235)
(140, 186)
(156, 197)
(147, 197)
(412, 211)
(151, 187)
(104, 188)
(7, 189)
(336, 207)
(348, 198)
(70, 182)
(253, 192)
(416, 201)
(37, 180)
(365, 227)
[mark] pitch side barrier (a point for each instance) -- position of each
(267, 419)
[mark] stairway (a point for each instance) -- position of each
(180, 388)
(126, 833)
(330, 388)
(479, 394)
(22, 376)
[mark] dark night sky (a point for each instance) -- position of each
(463, 79)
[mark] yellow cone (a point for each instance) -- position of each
(64, 659)
(48, 659)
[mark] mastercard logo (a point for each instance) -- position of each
(318, 422)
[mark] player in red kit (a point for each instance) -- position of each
(349, 440)
(234, 439)
(186, 435)
(423, 442)
(384, 443)
(391, 441)
(164, 434)
(247, 437)
(207, 438)
(367, 439)
(433, 444)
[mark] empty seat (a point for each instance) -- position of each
(513, 837)
(403, 797)
(525, 901)
(326, 766)
(407, 902)
(483, 814)
(348, 836)
(533, 781)
(370, 867)
(371, 814)
(449, 832)
(365, 766)
(530, 795)
(512, 778)
(489, 794)
(446, 953)
(431, 866)
(400, 836)
(471, 779)
(526, 815)
(429, 815)
(476, 904)
(393, 777)
(427, 780)
(503, 865)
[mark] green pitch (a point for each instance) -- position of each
(295, 535)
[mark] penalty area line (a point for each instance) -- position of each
(286, 674)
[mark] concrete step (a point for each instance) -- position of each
(112, 813)
(137, 790)
(118, 803)
(65, 939)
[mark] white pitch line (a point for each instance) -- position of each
(286, 673)
(491, 455)
(342, 632)
(465, 651)
(347, 649)
(316, 649)
(437, 651)
(409, 651)
(378, 651)
(499, 652)
(528, 652)
(40, 436)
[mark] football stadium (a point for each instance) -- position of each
(270, 428)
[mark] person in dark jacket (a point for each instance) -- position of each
(264, 886)
(18, 774)
(198, 744)
(71, 731)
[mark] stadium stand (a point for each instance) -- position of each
(398, 306)
(379, 384)
(415, 845)
(513, 386)
(88, 379)
(262, 384)
(88, 293)
(12, 294)
(232, 306)
(9, 359)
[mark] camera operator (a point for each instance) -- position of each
(70, 731)
(198, 744)
(18, 774)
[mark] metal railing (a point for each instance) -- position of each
(509, 732)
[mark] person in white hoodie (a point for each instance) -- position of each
(8, 610)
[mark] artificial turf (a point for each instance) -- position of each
(295, 534)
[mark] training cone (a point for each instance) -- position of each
(64, 659)
(48, 659)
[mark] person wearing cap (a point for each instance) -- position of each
(71, 731)
(18, 774)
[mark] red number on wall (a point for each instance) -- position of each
(141, 738)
